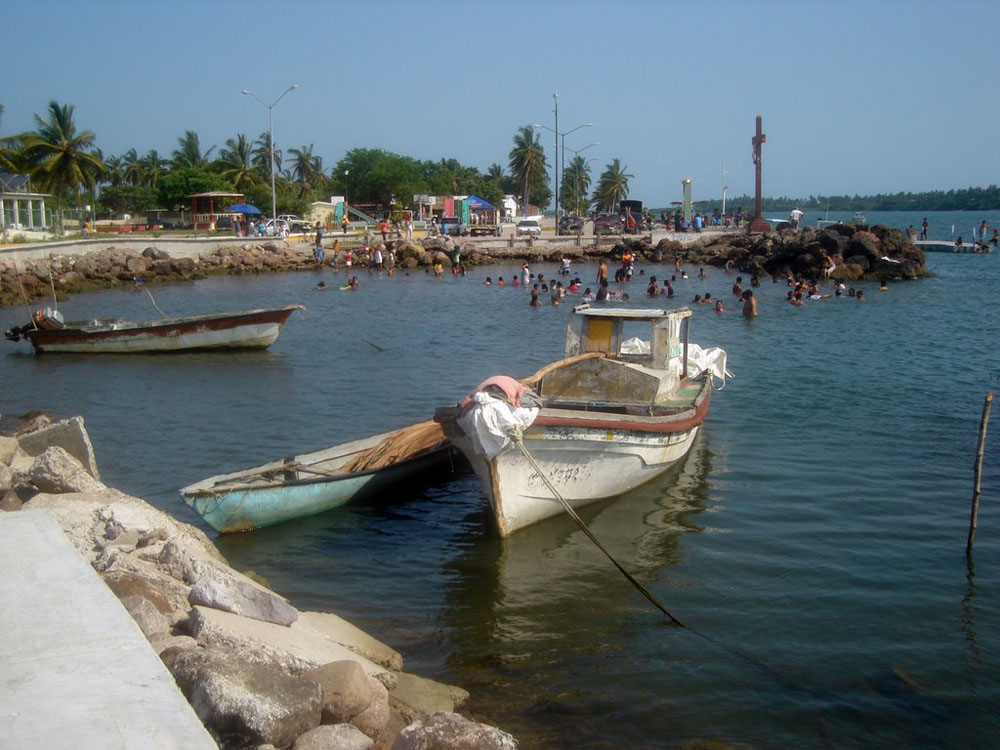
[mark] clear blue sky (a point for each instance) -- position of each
(857, 97)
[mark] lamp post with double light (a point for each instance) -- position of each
(270, 131)
(557, 155)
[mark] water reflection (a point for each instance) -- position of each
(535, 610)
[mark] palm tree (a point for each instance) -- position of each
(236, 162)
(63, 160)
(307, 169)
(153, 167)
(132, 166)
(188, 154)
(262, 155)
(612, 187)
(528, 164)
(576, 183)
(114, 170)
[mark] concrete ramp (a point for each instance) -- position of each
(75, 670)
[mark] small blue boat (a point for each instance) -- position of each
(311, 483)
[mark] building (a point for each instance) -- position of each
(20, 208)
(208, 208)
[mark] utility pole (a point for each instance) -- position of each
(758, 224)
(555, 157)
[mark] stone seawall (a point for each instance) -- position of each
(256, 670)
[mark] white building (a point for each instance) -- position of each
(19, 207)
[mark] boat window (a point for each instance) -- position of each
(635, 339)
(599, 333)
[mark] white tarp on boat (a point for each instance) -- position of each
(699, 359)
(490, 421)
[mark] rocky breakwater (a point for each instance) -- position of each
(111, 267)
(257, 671)
(857, 252)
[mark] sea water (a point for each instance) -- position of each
(813, 541)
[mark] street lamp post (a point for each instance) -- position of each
(556, 158)
(270, 130)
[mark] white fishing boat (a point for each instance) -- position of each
(618, 411)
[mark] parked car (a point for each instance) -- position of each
(529, 227)
(281, 231)
(452, 225)
(607, 224)
(156, 221)
(570, 225)
(295, 224)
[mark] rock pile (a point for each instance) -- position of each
(257, 671)
(875, 253)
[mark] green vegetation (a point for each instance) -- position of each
(969, 199)
(612, 186)
(66, 162)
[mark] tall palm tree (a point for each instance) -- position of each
(114, 170)
(576, 183)
(154, 167)
(188, 153)
(307, 168)
(132, 165)
(63, 160)
(262, 155)
(528, 164)
(236, 162)
(612, 186)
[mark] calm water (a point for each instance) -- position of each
(813, 541)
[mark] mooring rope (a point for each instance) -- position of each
(517, 437)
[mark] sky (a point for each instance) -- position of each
(856, 97)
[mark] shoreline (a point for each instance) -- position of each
(209, 623)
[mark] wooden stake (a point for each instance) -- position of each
(974, 519)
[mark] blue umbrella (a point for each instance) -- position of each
(243, 208)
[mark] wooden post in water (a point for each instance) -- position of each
(758, 224)
(974, 519)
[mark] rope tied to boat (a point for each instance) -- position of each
(516, 435)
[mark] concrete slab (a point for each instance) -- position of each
(76, 670)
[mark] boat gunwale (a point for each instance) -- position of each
(189, 492)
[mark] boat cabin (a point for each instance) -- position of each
(649, 337)
(638, 360)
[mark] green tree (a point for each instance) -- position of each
(128, 198)
(177, 186)
(154, 167)
(132, 166)
(612, 186)
(307, 169)
(529, 167)
(63, 161)
(379, 177)
(188, 153)
(236, 163)
(575, 184)
(262, 155)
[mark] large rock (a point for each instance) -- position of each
(448, 731)
(149, 619)
(253, 702)
(374, 721)
(346, 690)
(333, 737)
(70, 435)
(56, 471)
(229, 591)
(8, 447)
(299, 648)
(415, 696)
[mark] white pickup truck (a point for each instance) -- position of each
(295, 224)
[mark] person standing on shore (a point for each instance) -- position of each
(343, 222)
(795, 217)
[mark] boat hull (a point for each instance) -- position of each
(245, 507)
(252, 329)
(587, 457)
